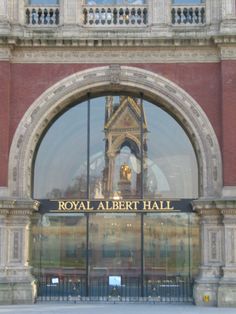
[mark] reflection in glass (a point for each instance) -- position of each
(61, 162)
(115, 249)
(58, 244)
(169, 165)
(171, 246)
(115, 2)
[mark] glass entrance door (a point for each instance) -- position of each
(124, 256)
(115, 259)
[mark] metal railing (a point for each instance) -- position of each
(115, 16)
(73, 289)
(188, 15)
(42, 16)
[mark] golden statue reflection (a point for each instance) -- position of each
(125, 173)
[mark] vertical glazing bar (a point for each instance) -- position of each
(141, 195)
(141, 145)
(88, 196)
(189, 252)
(88, 147)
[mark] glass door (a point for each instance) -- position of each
(115, 255)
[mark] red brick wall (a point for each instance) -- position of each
(201, 81)
(4, 120)
(229, 121)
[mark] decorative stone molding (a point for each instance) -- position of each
(212, 247)
(132, 80)
(5, 54)
(228, 52)
(119, 55)
(17, 207)
(15, 273)
(227, 284)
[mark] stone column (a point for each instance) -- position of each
(16, 282)
(206, 284)
(159, 12)
(3, 10)
(4, 17)
(71, 12)
(227, 285)
(213, 13)
(228, 8)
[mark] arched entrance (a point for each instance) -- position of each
(115, 79)
(121, 81)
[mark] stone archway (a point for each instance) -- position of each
(114, 78)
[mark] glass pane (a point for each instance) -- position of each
(188, 1)
(169, 162)
(44, 2)
(61, 162)
(171, 246)
(115, 2)
(97, 147)
(58, 247)
(194, 245)
(115, 250)
(171, 165)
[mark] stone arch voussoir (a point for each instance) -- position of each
(114, 78)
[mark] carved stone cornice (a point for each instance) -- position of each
(229, 211)
(18, 207)
(115, 55)
(215, 207)
(123, 47)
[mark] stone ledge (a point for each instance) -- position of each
(16, 207)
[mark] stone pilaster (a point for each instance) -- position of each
(228, 10)
(4, 17)
(206, 285)
(227, 285)
(213, 13)
(71, 12)
(16, 281)
(159, 14)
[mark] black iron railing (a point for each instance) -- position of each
(73, 289)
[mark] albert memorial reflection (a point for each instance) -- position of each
(169, 166)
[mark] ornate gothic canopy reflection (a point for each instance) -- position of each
(134, 150)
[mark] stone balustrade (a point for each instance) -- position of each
(116, 16)
(188, 14)
(126, 15)
(42, 16)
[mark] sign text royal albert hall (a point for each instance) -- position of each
(113, 205)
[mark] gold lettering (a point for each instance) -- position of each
(107, 206)
(89, 207)
(75, 204)
(146, 205)
(122, 205)
(115, 205)
(82, 206)
(68, 205)
(61, 205)
(161, 205)
(168, 206)
(135, 203)
(101, 206)
(155, 206)
(128, 205)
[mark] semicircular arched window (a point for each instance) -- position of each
(125, 148)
